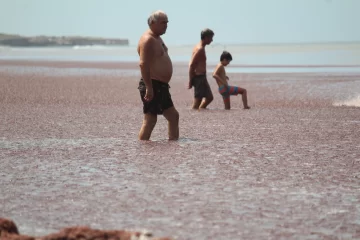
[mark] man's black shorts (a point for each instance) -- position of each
(201, 86)
(161, 99)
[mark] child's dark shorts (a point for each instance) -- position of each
(161, 99)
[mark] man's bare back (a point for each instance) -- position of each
(154, 49)
(198, 60)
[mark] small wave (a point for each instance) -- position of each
(76, 47)
(353, 102)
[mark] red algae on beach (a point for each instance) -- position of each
(8, 231)
(287, 168)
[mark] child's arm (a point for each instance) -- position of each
(219, 71)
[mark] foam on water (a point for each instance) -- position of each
(352, 102)
(90, 47)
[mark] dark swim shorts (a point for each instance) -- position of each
(201, 85)
(161, 99)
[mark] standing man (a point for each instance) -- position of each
(156, 71)
(197, 72)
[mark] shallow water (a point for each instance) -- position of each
(278, 54)
(289, 168)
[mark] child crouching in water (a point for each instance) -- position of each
(222, 80)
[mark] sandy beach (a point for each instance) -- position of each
(288, 168)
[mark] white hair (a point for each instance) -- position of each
(155, 16)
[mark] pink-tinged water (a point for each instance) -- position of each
(289, 168)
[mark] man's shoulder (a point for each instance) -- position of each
(199, 49)
(147, 38)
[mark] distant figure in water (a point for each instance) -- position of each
(197, 72)
(156, 71)
(222, 80)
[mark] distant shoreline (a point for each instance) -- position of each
(62, 41)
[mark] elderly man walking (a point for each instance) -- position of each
(156, 72)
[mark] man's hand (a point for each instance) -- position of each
(149, 94)
(189, 85)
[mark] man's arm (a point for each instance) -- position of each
(194, 60)
(146, 56)
(219, 72)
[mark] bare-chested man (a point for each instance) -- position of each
(197, 72)
(156, 71)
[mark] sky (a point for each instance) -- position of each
(233, 21)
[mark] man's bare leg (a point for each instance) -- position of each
(243, 93)
(206, 101)
(196, 103)
(147, 126)
(172, 115)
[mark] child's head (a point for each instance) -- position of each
(225, 58)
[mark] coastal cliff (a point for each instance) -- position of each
(48, 41)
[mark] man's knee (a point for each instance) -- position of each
(150, 120)
(209, 98)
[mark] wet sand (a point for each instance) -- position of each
(289, 168)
